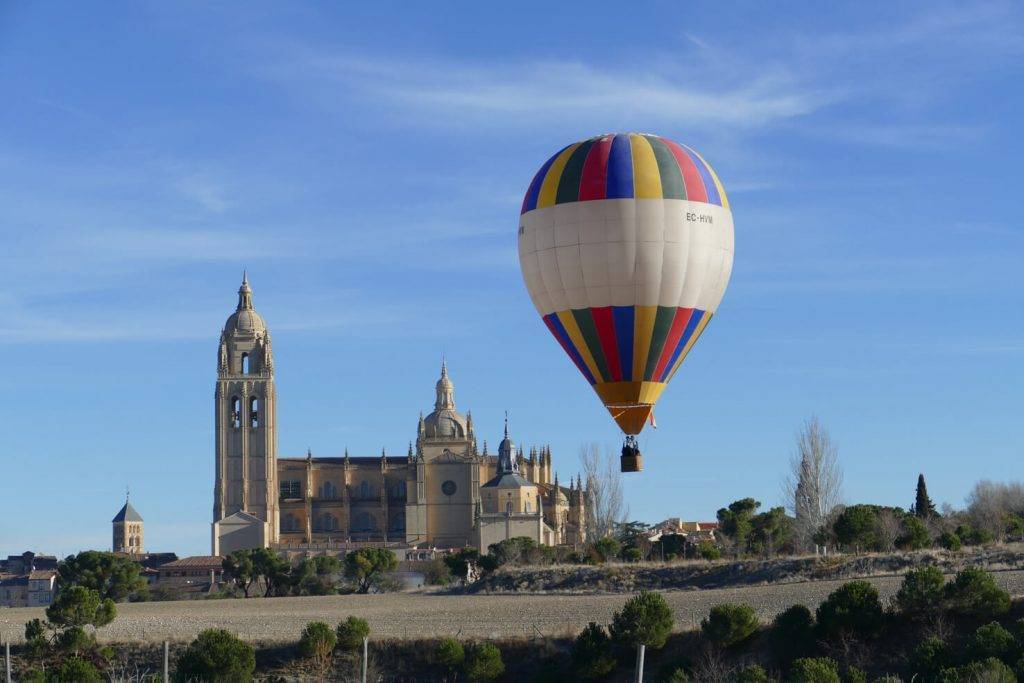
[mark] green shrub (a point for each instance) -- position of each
(632, 555)
(854, 675)
(991, 640)
(317, 642)
(814, 670)
(351, 633)
(729, 624)
(606, 548)
(920, 594)
(436, 572)
(752, 674)
(708, 550)
(591, 652)
(852, 609)
(973, 591)
(989, 671)
(930, 657)
(644, 619)
(792, 633)
(679, 675)
(914, 535)
(450, 653)
(855, 526)
(484, 663)
(971, 536)
(950, 541)
(216, 655)
(74, 670)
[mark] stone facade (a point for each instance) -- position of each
(433, 496)
(127, 527)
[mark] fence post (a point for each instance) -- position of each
(167, 670)
(639, 677)
(7, 658)
(366, 651)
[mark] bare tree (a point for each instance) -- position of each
(990, 502)
(813, 487)
(605, 502)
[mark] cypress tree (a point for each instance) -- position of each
(923, 506)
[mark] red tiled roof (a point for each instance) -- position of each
(195, 562)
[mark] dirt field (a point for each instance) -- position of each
(426, 615)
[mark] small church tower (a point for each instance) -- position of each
(128, 530)
(245, 425)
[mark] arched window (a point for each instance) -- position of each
(236, 412)
(364, 489)
(328, 490)
(245, 364)
(526, 507)
(328, 522)
(508, 507)
(254, 412)
(291, 523)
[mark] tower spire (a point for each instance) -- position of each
(245, 293)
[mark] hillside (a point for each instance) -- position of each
(628, 578)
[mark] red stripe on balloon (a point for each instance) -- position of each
(605, 324)
(695, 191)
(595, 170)
(675, 333)
(567, 346)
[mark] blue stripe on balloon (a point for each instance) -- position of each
(534, 192)
(705, 175)
(566, 340)
(624, 317)
(619, 183)
(695, 319)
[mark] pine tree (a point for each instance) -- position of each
(923, 506)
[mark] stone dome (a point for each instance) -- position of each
(445, 422)
(245, 320)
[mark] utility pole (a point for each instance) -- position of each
(167, 671)
(639, 677)
(366, 651)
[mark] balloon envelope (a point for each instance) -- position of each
(626, 247)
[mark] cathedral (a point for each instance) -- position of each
(443, 493)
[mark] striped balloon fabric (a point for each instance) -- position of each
(626, 245)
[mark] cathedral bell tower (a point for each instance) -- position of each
(246, 429)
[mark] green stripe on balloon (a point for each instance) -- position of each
(662, 325)
(672, 186)
(569, 183)
(585, 321)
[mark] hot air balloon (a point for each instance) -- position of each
(626, 247)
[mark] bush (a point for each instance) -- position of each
(973, 591)
(752, 674)
(606, 548)
(855, 526)
(792, 633)
(920, 594)
(366, 567)
(632, 555)
(75, 670)
(915, 536)
(930, 657)
(679, 675)
(645, 619)
(814, 670)
(450, 653)
(729, 624)
(484, 663)
(351, 633)
(317, 642)
(989, 671)
(991, 640)
(708, 550)
(216, 655)
(591, 652)
(854, 675)
(436, 572)
(852, 609)
(971, 536)
(950, 541)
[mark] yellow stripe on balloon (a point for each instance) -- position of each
(646, 176)
(689, 345)
(643, 330)
(549, 188)
(573, 330)
(718, 183)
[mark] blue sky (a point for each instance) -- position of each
(366, 164)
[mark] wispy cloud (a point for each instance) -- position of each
(204, 191)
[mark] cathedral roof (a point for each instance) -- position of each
(245, 319)
(445, 422)
(127, 514)
(508, 480)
